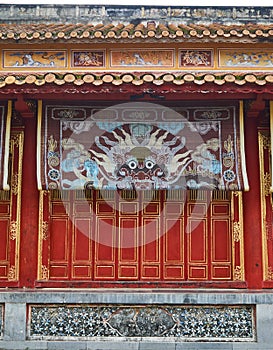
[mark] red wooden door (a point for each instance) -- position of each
(156, 237)
(10, 216)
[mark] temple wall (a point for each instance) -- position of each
(18, 332)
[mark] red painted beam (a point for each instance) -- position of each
(30, 209)
(251, 204)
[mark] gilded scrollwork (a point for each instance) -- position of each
(238, 273)
(44, 230)
(14, 183)
(12, 273)
(269, 274)
(45, 272)
(265, 141)
(13, 229)
(267, 184)
(16, 139)
(237, 231)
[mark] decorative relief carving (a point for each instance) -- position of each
(12, 273)
(265, 141)
(269, 274)
(238, 273)
(14, 183)
(16, 139)
(13, 230)
(44, 230)
(237, 231)
(45, 272)
(267, 184)
(185, 322)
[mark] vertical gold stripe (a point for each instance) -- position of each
(6, 153)
(242, 147)
(40, 239)
(241, 222)
(38, 155)
(263, 206)
(271, 138)
(19, 194)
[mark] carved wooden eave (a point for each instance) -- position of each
(78, 82)
(130, 33)
(70, 26)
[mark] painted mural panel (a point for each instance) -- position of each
(34, 59)
(142, 58)
(240, 58)
(195, 58)
(88, 58)
(90, 152)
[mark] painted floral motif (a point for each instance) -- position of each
(185, 322)
(243, 58)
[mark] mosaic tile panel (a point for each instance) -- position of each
(210, 323)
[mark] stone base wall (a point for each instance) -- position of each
(137, 319)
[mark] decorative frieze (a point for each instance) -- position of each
(211, 323)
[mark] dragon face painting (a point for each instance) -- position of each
(141, 157)
(141, 147)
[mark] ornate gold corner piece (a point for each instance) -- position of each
(13, 229)
(16, 140)
(12, 273)
(237, 231)
(45, 273)
(269, 274)
(238, 273)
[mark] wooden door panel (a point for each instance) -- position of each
(150, 248)
(167, 239)
(59, 248)
(221, 271)
(197, 272)
(105, 247)
(150, 241)
(10, 215)
(173, 241)
(128, 251)
(81, 247)
(221, 250)
(197, 241)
